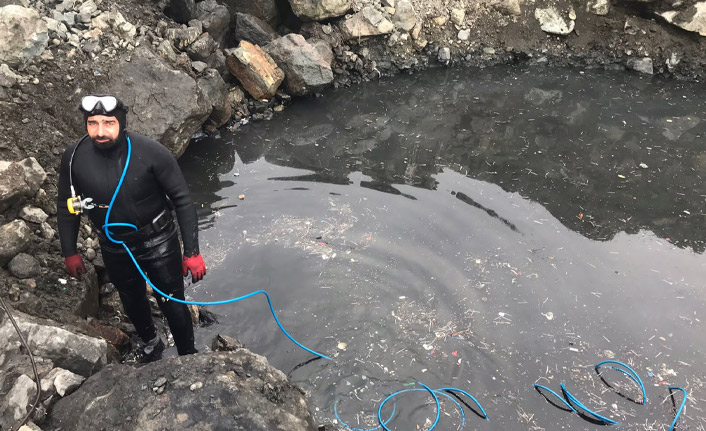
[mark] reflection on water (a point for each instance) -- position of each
(479, 229)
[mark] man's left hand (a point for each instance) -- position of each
(196, 265)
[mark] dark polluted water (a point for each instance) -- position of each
(478, 229)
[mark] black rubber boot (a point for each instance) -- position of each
(152, 351)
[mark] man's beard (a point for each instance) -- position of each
(105, 145)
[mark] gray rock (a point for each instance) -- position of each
(23, 35)
(253, 29)
(266, 10)
(18, 179)
(444, 55)
(405, 17)
(199, 66)
(215, 19)
(20, 396)
(181, 11)
(464, 35)
(77, 353)
(182, 37)
(551, 21)
(598, 7)
(146, 84)
(239, 391)
(24, 266)
(304, 69)
(318, 10)
(47, 231)
(324, 49)
(202, 48)
(690, 19)
(15, 237)
(457, 16)
(8, 78)
(216, 91)
(65, 381)
(166, 50)
(508, 7)
(642, 65)
(368, 22)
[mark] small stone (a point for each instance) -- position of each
(90, 254)
(196, 386)
(160, 382)
(33, 215)
(24, 266)
(464, 35)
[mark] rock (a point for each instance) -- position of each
(324, 50)
(181, 11)
(642, 65)
(33, 215)
(61, 381)
(444, 55)
(29, 426)
(47, 231)
(146, 84)
(690, 19)
(21, 396)
(112, 335)
(240, 390)
(15, 237)
(23, 35)
(8, 78)
(464, 35)
(405, 17)
(215, 19)
(266, 10)
(319, 10)
(255, 69)
(457, 16)
(18, 179)
(182, 37)
(598, 7)
(368, 22)
(552, 22)
(202, 48)
(216, 91)
(304, 69)
(224, 343)
(508, 7)
(166, 50)
(24, 266)
(253, 29)
(77, 353)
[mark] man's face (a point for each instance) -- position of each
(103, 130)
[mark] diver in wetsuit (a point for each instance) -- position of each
(152, 186)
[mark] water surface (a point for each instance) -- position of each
(481, 229)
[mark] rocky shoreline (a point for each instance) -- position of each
(187, 68)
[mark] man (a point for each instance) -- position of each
(153, 185)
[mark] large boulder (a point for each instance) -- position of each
(305, 70)
(219, 390)
(253, 29)
(23, 35)
(15, 237)
(367, 22)
(318, 10)
(80, 354)
(255, 69)
(215, 19)
(266, 10)
(18, 179)
(165, 104)
(691, 19)
(24, 266)
(216, 91)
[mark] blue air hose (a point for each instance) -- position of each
(557, 396)
(573, 399)
(436, 400)
(630, 373)
(108, 225)
(681, 408)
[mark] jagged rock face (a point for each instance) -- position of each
(305, 69)
(253, 29)
(23, 35)
(165, 104)
(14, 238)
(19, 179)
(220, 390)
(692, 19)
(317, 10)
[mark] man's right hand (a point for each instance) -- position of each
(74, 264)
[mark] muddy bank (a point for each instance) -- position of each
(187, 68)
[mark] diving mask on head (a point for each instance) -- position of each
(100, 104)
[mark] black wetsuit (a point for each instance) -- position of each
(153, 184)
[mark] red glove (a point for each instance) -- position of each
(74, 264)
(196, 265)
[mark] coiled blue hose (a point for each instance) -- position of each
(108, 225)
(630, 373)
